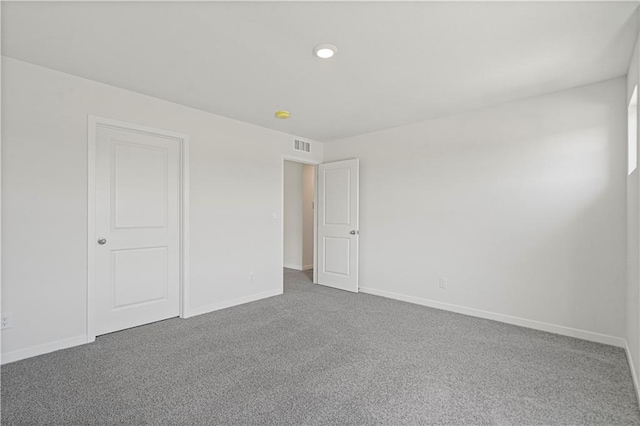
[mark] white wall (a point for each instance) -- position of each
(235, 187)
(292, 215)
(521, 206)
(308, 175)
(633, 241)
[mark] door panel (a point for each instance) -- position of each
(137, 271)
(140, 186)
(336, 255)
(336, 206)
(139, 276)
(338, 233)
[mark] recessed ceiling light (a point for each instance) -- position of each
(282, 115)
(325, 51)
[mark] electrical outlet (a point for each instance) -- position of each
(251, 277)
(444, 283)
(6, 321)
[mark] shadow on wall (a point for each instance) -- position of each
(520, 206)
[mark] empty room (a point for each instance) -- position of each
(320, 213)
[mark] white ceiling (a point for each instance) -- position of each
(397, 63)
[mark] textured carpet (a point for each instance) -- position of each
(321, 356)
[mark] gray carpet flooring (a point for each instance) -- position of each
(321, 356)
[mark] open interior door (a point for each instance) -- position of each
(338, 235)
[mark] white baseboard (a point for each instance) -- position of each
(292, 266)
(43, 349)
(298, 267)
(633, 370)
(9, 357)
(233, 302)
(523, 322)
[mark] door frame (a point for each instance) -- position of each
(314, 163)
(93, 123)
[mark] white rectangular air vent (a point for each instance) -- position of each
(299, 145)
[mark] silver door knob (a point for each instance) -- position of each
(353, 232)
(102, 241)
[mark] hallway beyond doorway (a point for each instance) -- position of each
(297, 280)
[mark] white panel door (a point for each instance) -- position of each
(137, 264)
(338, 234)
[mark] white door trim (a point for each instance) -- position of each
(287, 157)
(93, 123)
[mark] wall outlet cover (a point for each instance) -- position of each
(6, 321)
(444, 283)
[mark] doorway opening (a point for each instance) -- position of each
(298, 224)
